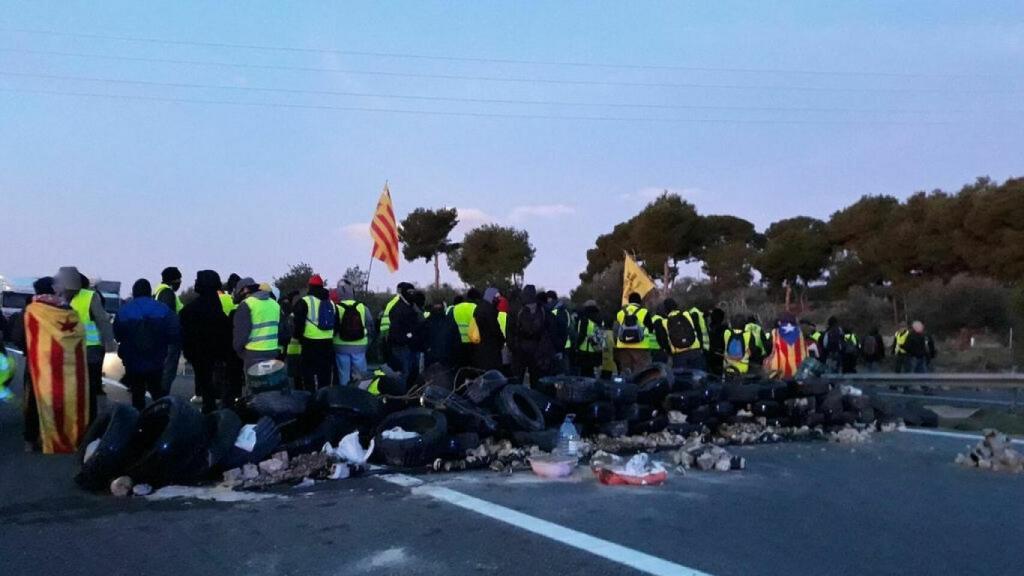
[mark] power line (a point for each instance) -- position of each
(458, 113)
(461, 99)
(442, 58)
(507, 79)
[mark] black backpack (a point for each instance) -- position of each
(530, 324)
(351, 328)
(681, 334)
(630, 330)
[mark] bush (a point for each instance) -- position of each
(964, 302)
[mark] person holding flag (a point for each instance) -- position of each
(633, 321)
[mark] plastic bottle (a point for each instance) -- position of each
(568, 438)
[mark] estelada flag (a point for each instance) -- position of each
(634, 279)
(56, 361)
(384, 230)
(788, 352)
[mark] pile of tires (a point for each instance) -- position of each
(431, 433)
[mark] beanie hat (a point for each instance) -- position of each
(142, 288)
(316, 280)
(170, 274)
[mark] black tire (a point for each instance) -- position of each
(461, 414)
(278, 405)
(170, 442)
(486, 385)
(856, 403)
(268, 438)
(713, 393)
(647, 412)
(842, 418)
(577, 390)
(866, 416)
(515, 404)
(114, 430)
(431, 427)
(831, 405)
(546, 440)
(741, 393)
(331, 429)
(723, 409)
(553, 410)
(773, 390)
(814, 419)
(615, 428)
(599, 413)
(650, 426)
(618, 392)
(701, 414)
(684, 401)
(766, 408)
(684, 380)
(546, 385)
(628, 412)
(685, 428)
(457, 445)
(813, 387)
(351, 402)
(653, 384)
(222, 428)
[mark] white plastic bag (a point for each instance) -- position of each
(397, 433)
(349, 450)
(246, 439)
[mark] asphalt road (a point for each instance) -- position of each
(896, 505)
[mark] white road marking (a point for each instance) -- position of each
(585, 542)
(944, 434)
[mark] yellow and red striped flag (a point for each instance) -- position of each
(56, 360)
(384, 230)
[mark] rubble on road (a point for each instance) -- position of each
(121, 486)
(850, 435)
(706, 456)
(994, 452)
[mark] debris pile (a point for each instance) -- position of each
(994, 452)
(706, 456)
(850, 435)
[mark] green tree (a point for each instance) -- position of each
(728, 247)
(667, 231)
(295, 280)
(424, 234)
(357, 278)
(492, 255)
(795, 253)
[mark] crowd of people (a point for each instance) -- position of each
(325, 337)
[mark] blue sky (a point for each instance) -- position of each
(759, 109)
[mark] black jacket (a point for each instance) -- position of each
(205, 328)
(405, 321)
(438, 337)
(487, 354)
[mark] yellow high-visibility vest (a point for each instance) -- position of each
(900, 342)
(311, 330)
(699, 323)
(359, 309)
(226, 302)
(463, 315)
(385, 317)
(81, 303)
(641, 317)
(503, 323)
(266, 320)
(159, 290)
(739, 365)
(651, 337)
(586, 344)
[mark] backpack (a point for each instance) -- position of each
(351, 328)
(681, 334)
(734, 349)
(630, 330)
(326, 316)
(530, 324)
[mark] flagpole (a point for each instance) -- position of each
(366, 289)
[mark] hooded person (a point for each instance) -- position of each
(462, 313)
(166, 293)
(404, 319)
(315, 319)
(145, 329)
(385, 318)
(487, 352)
(206, 332)
(716, 331)
(99, 334)
(560, 325)
(352, 335)
(259, 330)
(530, 336)
(438, 338)
(590, 340)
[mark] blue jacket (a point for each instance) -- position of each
(144, 328)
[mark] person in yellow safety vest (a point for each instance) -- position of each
(899, 349)
(506, 350)
(351, 336)
(851, 352)
(315, 326)
(293, 350)
(385, 319)
(682, 337)
(590, 340)
(655, 338)
(166, 293)
(631, 326)
(758, 346)
(737, 345)
(700, 324)
(258, 326)
(462, 314)
(561, 337)
(487, 340)
(99, 332)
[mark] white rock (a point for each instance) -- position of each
(250, 472)
(272, 465)
(121, 486)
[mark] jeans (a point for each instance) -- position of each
(141, 382)
(350, 363)
(170, 368)
(405, 360)
(317, 364)
(919, 365)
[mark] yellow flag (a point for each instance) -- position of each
(634, 279)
